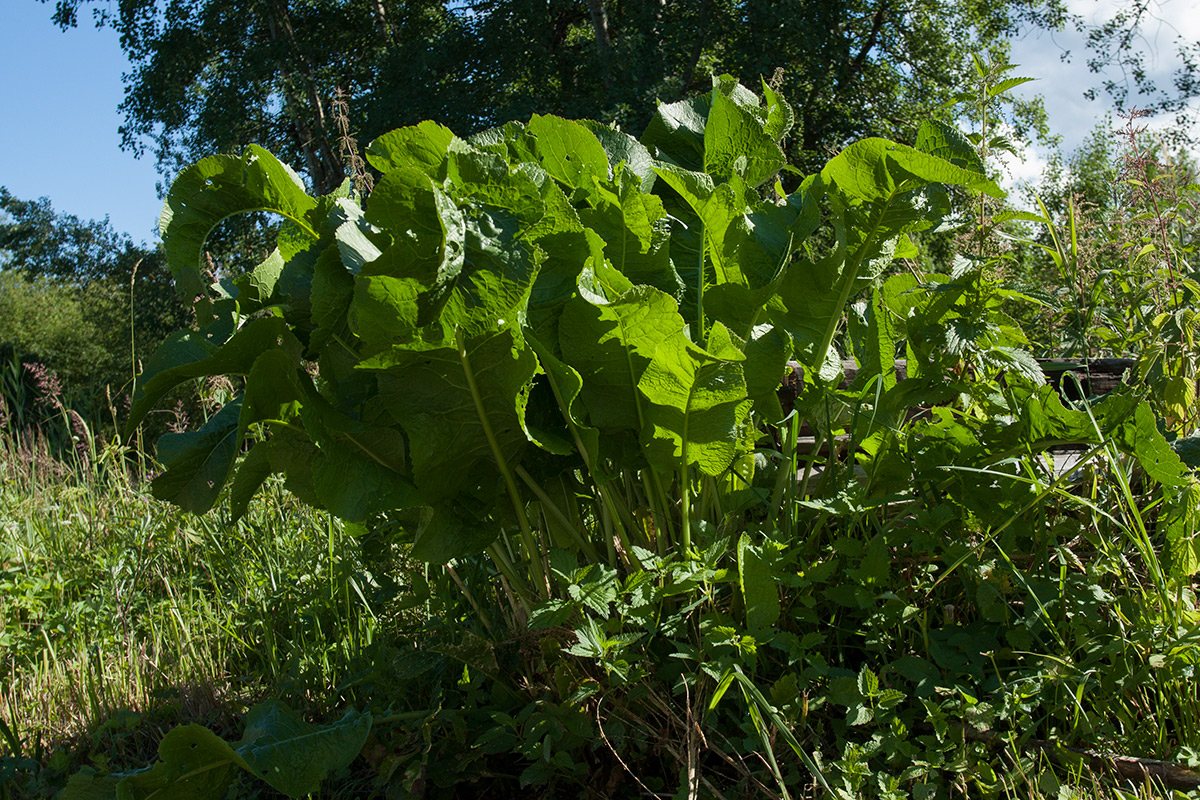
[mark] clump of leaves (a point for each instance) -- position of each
(549, 355)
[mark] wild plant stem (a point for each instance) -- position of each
(533, 556)
(685, 496)
(479, 612)
(656, 497)
(818, 440)
(623, 521)
(553, 509)
(787, 468)
(700, 285)
(505, 565)
(845, 289)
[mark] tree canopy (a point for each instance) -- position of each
(209, 76)
(65, 288)
(41, 242)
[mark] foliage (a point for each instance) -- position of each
(548, 356)
(1117, 251)
(545, 359)
(1117, 41)
(476, 297)
(76, 331)
(43, 243)
(121, 618)
(278, 747)
(209, 76)
(66, 287)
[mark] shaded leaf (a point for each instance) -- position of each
(293, 755)
(697, 404)
(218, 187)
(198, 464)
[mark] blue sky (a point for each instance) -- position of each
(1062, 84)
(60, 92)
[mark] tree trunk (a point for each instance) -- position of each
(600, 23)
(325, 168)
(381, 23)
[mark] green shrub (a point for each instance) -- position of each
(546, 361)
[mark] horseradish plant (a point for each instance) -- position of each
(548, 336)
(560, 346)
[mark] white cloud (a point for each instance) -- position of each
(1162, 22)
(1025, 167)
(1058, 59)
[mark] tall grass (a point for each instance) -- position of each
(113, 603)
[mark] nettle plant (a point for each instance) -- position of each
(549, 335)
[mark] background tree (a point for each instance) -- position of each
(210, 76)
(1118, 46)
(65, 291)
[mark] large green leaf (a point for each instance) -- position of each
(490, 288)
(496, 278)
(332, 291)
(569, 248)
(610, 344)
(873, 191)
(198, 463)
(293, 755)
(218, 187)
(735, 143)
(193, 762)
(88, 784)
(748, 243)
(278, 392)
(809, 300)
(451, 400)
(385, 309)
(635, 231)
(279, 746)
(949, 144)
(874, 170)
(566, 150)
(351, 479)
(486, 181)
(421, 146)
(753, 258)
(698, 404)
(767, 353)
(623, 148)
(410, 283)
(759, 586)
(676, 132)
(179, 349)
(425, 225)
(353, 235)
(252, 472)
(883, 332)
(235, 357)
(447, 531)
(256, 288)
(359, 468)
(566, 385)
